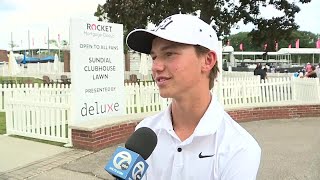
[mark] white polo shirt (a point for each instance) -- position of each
(218, 149)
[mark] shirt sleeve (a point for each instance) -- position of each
(243, 165)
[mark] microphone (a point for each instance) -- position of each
(129, 162)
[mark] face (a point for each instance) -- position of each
(176, 68)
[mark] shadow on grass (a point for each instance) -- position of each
(39, 140)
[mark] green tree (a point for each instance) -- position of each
(12, 45)
(242, 37)
(53, 41)
(271, 31)
(64, 43)
(222, 14)
(307, 40)
(131, 13)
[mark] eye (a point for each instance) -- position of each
(153, 57)
(169, 53)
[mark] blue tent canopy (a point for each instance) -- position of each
(28, 59)
(48, 58)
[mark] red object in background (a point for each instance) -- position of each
(265, 46)
(277, 45)
(297, 43)
(241, 47)
(318, 44)
(228, 42)
(289, 46)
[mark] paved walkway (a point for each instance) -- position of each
(21, 159)
(290, 150)
(24, 152)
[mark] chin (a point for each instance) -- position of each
(165, 94)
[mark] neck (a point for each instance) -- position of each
(187, 112)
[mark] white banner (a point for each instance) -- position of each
(96, 59)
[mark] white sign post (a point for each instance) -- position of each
(96, 59)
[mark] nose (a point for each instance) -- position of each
(157, 65)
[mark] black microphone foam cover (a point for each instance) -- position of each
(142, 141)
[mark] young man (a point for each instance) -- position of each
(197, 139)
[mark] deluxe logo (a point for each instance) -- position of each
(99, 109)
(98, 27)
(122, 160)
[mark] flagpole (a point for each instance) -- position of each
(11, 42)
(48, 43)
(28, 42)
(59, 44)
(242, 54)
(32, 47)
(241, 48)
(313, 60)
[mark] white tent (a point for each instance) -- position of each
(37, 47)
(299, 51)
(302, 51)
(253, 53)
(143, 69)
(49, 69)
(227, 49)
(56, 63)
(14, 68)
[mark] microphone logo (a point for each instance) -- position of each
(122, 160)
(137, 171)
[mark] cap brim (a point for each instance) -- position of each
(141, 40)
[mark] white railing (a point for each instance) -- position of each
(236, 74)
(238, 79)
(43, 111)
(139, 75)
(144, 98)
(250, 74)
(249, 93)
(38, 112)
(238, 91)
(307, 89)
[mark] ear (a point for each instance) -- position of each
(209, 61)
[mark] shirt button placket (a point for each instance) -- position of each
(177, 164)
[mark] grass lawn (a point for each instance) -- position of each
(19, 80)
(2, 123)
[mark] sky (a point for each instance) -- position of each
(17, 17)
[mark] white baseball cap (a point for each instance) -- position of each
(180, 28)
